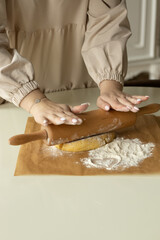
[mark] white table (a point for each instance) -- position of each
(68, 207)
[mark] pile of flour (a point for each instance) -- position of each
(119, 154)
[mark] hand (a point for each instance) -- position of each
(111, 96)
(47, 112)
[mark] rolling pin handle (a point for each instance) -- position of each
(25, 138)
(152, 108)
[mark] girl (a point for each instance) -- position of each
(70, 44)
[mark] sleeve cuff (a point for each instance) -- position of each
(110, 76)
(24, 91)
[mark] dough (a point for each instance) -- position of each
(87, 143)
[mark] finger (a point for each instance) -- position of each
(103, 104)
(137, 99)
(42, 121)
(64, 111)
(123, 100)
(69, 118)
(143, 98)
(118, 106)
(72, 118)
(80, 108)
(114, 104)
(56, 120)
(65, 115)
(133, 100)
(128, 104)
(45, 122)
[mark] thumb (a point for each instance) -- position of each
(80, 108)
(103, 104)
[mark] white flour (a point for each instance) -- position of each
(52, 150)
(119, 154)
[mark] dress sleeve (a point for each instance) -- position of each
(16, 73)
(104, 48)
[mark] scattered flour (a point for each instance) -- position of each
(52, 150)
(119, 154)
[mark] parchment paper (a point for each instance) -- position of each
(38, 158)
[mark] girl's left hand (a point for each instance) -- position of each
(111, 96)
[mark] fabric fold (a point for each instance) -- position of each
(15, 71)
(104, 49)
(61, 45)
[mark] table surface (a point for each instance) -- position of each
(74, 207)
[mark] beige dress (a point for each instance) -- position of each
(60, 44)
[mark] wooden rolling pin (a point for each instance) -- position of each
(94, 122)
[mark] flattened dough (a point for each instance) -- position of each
(87, 143)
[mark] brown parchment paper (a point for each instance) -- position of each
(38, 158)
